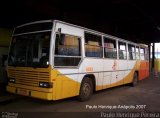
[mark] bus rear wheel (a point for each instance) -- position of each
(135, 79)
(86, 89)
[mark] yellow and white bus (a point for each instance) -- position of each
(52, 60)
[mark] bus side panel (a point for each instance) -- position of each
(107, 79)
(127, 76)
(66, 83)
(142, 70)
(122, 68)
(130, 72)
(137, 68)
(109, 75)
(69, 87)
(95, 67)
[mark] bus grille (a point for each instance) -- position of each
(28, 77)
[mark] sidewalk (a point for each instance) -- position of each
(8, 97)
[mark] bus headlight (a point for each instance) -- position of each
(12, 80)
(46, 84)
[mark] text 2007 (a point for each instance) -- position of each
(140, 106)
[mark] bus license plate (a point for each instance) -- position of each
(23, 92)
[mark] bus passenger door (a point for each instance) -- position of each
(67, 59)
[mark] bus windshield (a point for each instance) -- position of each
(30, 50)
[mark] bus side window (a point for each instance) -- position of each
(67, 50)
(146, 54)
(142, 53)
(93, 45)
(68, 45)
(122, 50)
(137, 52)
(131, 51)
(110, 50)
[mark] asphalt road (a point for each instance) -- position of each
(145, 97)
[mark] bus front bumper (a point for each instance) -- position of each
(30, 93)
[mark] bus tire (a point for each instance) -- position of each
(86, 89)
(135, 79)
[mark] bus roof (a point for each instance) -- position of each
(90, 30)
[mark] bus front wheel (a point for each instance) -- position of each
(86, 89)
